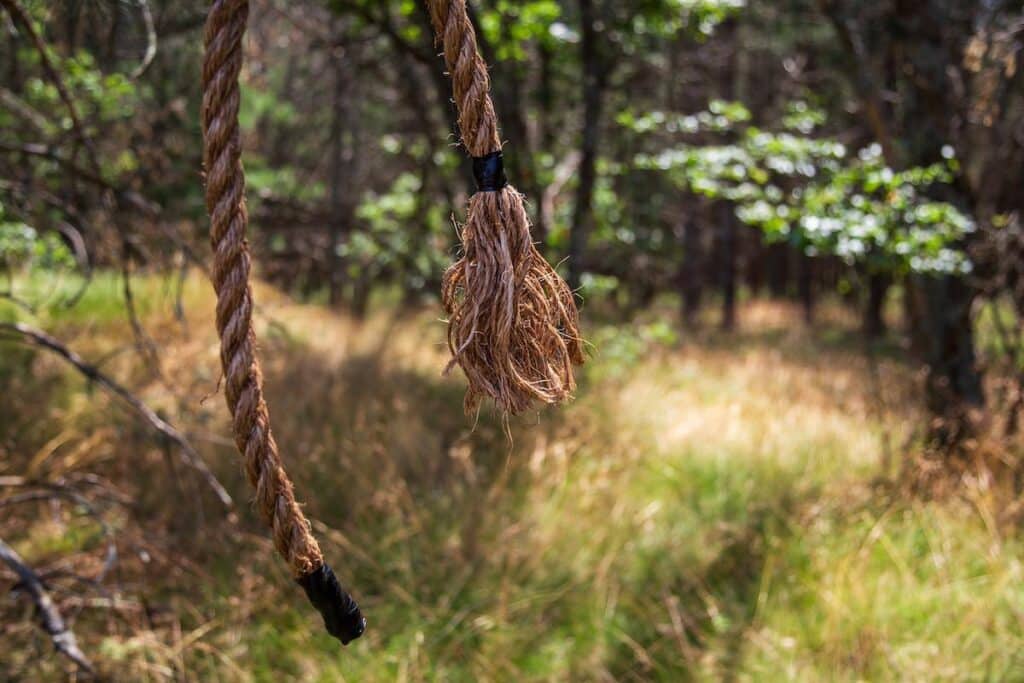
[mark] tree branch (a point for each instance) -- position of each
(863, 77)
(53, 623)
(188, 452)
(147, 20)
(19, 16)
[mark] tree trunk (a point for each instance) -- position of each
(778, 270)
(335, 265)
(874, 307)
(691, 274)
(754, 267)
(807, 288)
(726, 251)
(953, 387)
(546, 125)
(593, 86)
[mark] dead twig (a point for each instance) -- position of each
(188, 452)
(21, 19)
(147, 59)
(53, 623)
(20, 303)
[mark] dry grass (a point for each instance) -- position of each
(710, 508)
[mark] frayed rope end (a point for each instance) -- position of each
(513, 325)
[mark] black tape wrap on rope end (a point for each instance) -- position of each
(341, 614)
(489, 172)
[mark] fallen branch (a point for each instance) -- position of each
(188, 452)
(53, 623)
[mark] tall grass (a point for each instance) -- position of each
(710, 508)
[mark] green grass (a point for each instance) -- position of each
(712, 507)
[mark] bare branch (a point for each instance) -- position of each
(147, 59)
(20, 303)
(19, 16)
(53, 623)
(22, 110)
(188, 452)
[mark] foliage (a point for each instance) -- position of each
(398, 232)
(22, 246)
(715, 505)
(812, 192)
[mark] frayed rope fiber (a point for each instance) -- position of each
(513, 326)
(243, 385)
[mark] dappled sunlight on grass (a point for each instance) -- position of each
(710, 506)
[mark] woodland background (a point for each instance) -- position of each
(795, 232)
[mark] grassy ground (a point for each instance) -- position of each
(710, 508)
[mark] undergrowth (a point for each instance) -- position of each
(711, 507)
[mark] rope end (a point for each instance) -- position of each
(341, 614)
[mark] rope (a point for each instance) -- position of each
(513, 324)
(225, 201)
(471, 84)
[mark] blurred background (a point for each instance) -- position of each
(795, 232)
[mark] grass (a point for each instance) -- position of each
(712, 507)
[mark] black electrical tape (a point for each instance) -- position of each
(341, 614)
(489, 172)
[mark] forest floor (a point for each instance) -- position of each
(711, 507)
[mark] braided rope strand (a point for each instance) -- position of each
(243, 389)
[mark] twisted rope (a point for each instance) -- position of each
(513, 324)
(471, 83)
(225, 201)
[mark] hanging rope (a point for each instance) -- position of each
(243, 388)
(513, 326)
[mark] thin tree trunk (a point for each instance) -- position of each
(335, 264)
(507, 88)
(878, 285)
(594, 79)
(807, 288)
(546, 105)
(727, 256)
(778, 270)
(691, 273)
